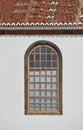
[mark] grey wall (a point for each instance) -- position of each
(12, 50)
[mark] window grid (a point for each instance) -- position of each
(47, 75)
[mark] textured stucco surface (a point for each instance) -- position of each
(12, 50)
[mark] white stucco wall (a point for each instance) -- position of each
(12, 50)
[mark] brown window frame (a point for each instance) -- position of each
(59, 79)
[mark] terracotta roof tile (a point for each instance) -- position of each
(41, 11)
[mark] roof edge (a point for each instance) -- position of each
(41, 24)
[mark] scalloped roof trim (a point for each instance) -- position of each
(40, 24)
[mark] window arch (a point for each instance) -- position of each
(43, 79)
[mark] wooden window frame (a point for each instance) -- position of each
(27, 91)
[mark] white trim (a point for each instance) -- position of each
(41, 27)
(39, 24)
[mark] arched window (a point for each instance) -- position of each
(43, 79)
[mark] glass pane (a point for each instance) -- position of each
(31, 100)
(37, 57)
(37, 79)
(37, 107)
(48, 86)
(42, 79)
(53, 93)
(49, 100)
(31, 107)
(31, 72)
(43, 107)
(42, 72)
(43, 64)
(54, 107)
(43, 57)
(54, 64)
(31, 64)
(43, 100)
(42, 93)
(31, 78)
(53, 100)
(54, 86)
(37, 86)
(48, 93)
(49, 79)
(31, 56)
(31, 86)
(37, 100)
(37, 93)
(37, 72)
(43, 50)
(31, 93)
(49, 72)
(49, 107)
(54, 72)
(37, 50)
(48, 50)
(54, 57)
(53, 79)
(48, 57)
(48, 64)
(42, 86)
(37, 64)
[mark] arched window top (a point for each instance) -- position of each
(43, 81)
(43, 56)
(43, 49)
(41, 43)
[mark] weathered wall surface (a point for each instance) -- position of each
(12, 50)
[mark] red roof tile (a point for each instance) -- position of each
(41, 11)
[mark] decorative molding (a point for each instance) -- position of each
(41, 24)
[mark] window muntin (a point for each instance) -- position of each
(43, 80)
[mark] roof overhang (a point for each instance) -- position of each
(24, 29)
